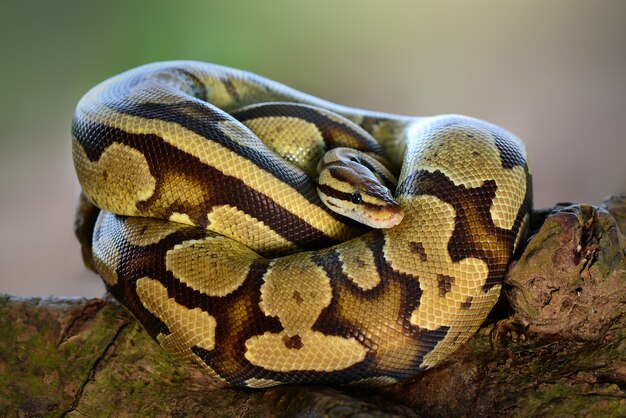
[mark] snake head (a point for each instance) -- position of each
(358, 187)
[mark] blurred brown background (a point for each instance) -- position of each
(554, 72)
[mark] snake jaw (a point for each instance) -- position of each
(386, 218)
(382, 217)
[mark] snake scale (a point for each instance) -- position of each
(225, 253)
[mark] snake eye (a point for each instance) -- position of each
(356, 198)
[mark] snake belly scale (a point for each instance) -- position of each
(226, 255)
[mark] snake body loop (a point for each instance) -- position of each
(225, 253)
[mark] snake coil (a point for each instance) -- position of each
(226, 255)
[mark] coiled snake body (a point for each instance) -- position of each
(225, 253)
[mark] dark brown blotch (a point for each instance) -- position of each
(294, 342)
(297, 297)
(418, 248)
(510, 155)
(360, 262)
(231, 89)
(445, 284)
(468, 303)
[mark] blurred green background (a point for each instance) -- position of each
(554, 72)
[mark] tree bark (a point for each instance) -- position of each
(554, 345)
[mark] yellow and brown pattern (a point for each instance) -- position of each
(225, 253)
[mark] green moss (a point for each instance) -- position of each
(29, 348)
(561, 399)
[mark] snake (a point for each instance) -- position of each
(220, 227)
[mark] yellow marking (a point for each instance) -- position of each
(188, 327)
(375, 381)
(293, 139)
(118, 180)
(358, 264)
(215, 266)
(218, 95)
(471, 161)
(228, 162)
(319, 352)
(509, 196)
(106, 255)
(243, 228)
(298, 304)
(145, 231)
(261, 383)
(522, 231)
(182, 218)
(221, 97)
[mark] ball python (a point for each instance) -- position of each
(226, 254)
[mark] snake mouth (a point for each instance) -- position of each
(387, 217)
